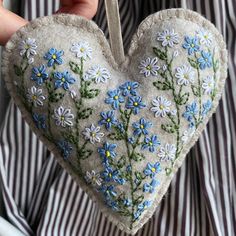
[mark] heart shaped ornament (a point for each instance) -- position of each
(122, 132)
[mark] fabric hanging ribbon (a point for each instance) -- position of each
(114, 27)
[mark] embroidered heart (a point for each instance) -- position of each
(121, 132)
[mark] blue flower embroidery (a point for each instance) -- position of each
(149, 188)
(109, 191)
(127, 202)
(141, 208)
(115, 98)
(40, 120)
(206, 107)
(108, 119)
(39, 74)
(191, 111)
(112, 204)
(151, 143)
(63, 80)
(109, 174)
(135, 103)
(141, 127)
(54, 57)
(152, 169)
(205, 60)
(192, 44)
(129, 88)
(65, 147)
(107, 151)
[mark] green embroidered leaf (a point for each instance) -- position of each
(168, 171)
(84, 154)
(169, 128)
(160, 54)
(92, 93)
(162, 85)
(55, 97)
(70, 137)
(116, 136)
(85, 113)
(216, 64)
(74, 67)
(193, 63)
(182, 99)
(138, 200)
(195, 91)
(121, 163)
(17, 70)
(138, 157)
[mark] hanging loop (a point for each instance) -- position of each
(114, 27)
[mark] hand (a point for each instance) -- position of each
(10, 22)
(86, 8)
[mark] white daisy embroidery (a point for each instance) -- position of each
(168, 38)
(98, 73)
(82, 50)
(187, 135)
(161, 106)
(93, 178)
(176, 53)
(63, 116)
(93, 134)
(35, 96)
(73, 94)
(185, 75)
(208, 84)
(167, 153)
(149, 66)
(28, 49)
(205, 37)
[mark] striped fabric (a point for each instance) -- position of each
(41, 199)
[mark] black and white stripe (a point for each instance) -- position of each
(42, 199)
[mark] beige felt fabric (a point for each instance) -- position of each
(61, 32)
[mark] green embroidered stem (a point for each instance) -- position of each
(199, 120)
(215, 68)
(169, 67)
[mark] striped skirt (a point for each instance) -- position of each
(40, 198)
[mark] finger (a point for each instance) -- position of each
(10, 23)
(85, 8)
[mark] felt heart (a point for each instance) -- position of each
(122, 132)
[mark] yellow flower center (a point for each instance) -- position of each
(150, 143)
(148, 67)
(110, 175)
(108, 120)
(39, 74)
(108, 154)
(192, 45)
(34, 97)
(168, 37)
(129, 87)
(141, 126)
(186, 76)
(27, 46)
(153, 169)
(54, 56)
(63, 79)
(82, 49)
(161, 107)
(62, 118)
(135, 104)
(116, 97)
(93, 134)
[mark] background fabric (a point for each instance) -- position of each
(41, 198)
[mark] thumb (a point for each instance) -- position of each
(85, 8)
